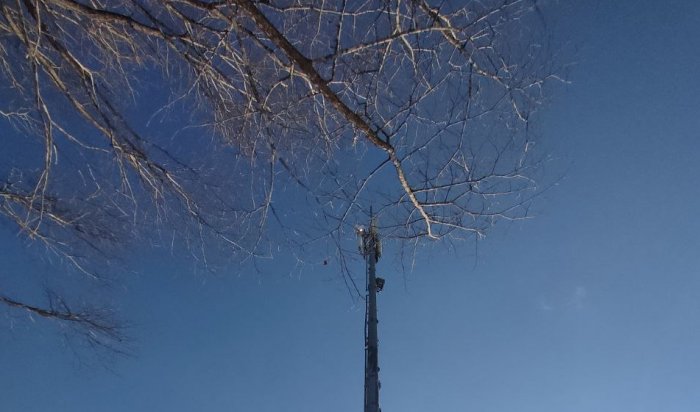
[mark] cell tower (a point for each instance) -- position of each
(371, 249)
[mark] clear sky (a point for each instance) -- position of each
(591, 307)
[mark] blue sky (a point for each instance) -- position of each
(591, 306)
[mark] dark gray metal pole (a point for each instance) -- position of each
(371, 252)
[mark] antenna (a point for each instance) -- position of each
(370, 247)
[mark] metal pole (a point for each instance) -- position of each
(371, 253)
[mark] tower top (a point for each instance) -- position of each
(369, 238)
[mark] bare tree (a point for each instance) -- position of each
(421, 107)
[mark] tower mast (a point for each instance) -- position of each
(370, 246)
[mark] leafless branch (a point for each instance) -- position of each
(421, 108)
